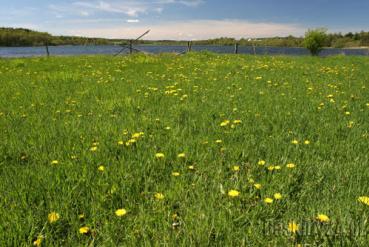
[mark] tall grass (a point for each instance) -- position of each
(80, 138)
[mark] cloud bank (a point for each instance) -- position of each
(194, 30)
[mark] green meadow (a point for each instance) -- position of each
(193, 150)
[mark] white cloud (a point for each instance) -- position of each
(133, 21)
(192, 30)
(128, 7)
(84, 13)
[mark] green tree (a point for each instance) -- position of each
(315, 40)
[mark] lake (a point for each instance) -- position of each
(106, 49)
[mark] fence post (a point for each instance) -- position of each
(130, 46)
(189, 46)
(47, 49)
(236, 48)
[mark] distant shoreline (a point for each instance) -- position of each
(184, 45)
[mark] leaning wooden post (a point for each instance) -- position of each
(189, 46)
(47, 49)
(236, 48)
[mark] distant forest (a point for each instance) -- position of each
(25, 37)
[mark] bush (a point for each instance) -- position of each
(315, 40)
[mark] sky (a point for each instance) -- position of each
(185, 19)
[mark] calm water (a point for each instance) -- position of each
(84, 50)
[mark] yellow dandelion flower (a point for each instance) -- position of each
(322, 218)
(236, 168)
(93, 149)
(84, 230)
(53, 217)
(347, 113)
(261, 162)
(224, 123)
(290, 165)
(181, 155)
(101, 168)
(159, 155)
(120, 212)
(191, 167)
(364, 200)
(257, 186)
(233, 193)
(268, 200)
(237, 121)
(293, 227)
(159, 196)
(306, 142)
(271, 168)
(38, 241)
(54, 162)
(120, 143)
(175, 174)
(295, 142)
(277, 167)
(278, 196)
(218, 141)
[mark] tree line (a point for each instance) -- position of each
(26, 37)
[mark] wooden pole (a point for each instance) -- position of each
(47, 49)
(236, 48)
(189, 46)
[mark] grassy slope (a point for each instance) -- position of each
(57, 108)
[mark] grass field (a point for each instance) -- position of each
(193, 150)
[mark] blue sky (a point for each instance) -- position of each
(185, 19)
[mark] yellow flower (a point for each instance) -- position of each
(290, 165)
(218, 141)
(233, 193)
(236, 168)
(120, 143)
(175, 174)
(293, 227)
(53, 217)
(181, 155)
(101, 168)
(159, 196)
(159, 155)
(84, 230)
(295, 142)
(191, 167)
(322, 218)
(120, 212)
(237, 121)
(268, 200)
(137, 135)
(364, 199)
(38, 241)
(278, 196)
(261, 162)
(224, 123)
(257, 186)
(93, 149)
(54, 162)
(277, 167)
(347, 113)
(271, 168)
(306, 142)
